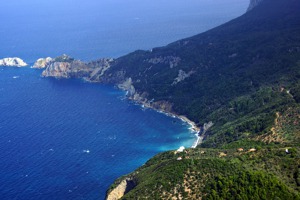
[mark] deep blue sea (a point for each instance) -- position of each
(69, 139)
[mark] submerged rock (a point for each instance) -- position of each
(12, 62)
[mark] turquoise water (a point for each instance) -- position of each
(68, 139)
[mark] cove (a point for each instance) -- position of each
(68, 139)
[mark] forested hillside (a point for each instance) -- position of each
(238, 75)
(244, 76)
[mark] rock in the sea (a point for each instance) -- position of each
(42, 63)
(12, 62)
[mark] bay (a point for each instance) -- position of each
(68, 139)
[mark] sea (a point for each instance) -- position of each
(70, 139)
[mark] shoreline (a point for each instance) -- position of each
(193, 127)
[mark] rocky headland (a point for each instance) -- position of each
(67, 67)
(12, 62)
(98, 71)
(41, 63)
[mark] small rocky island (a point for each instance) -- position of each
(12, 62)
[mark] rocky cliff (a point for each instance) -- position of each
(122, 187)
(12, 62)
(67, 67)
(75, 68)
(42, 63)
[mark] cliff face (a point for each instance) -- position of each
(121, 189)
(12, 62)
(67, 67)
(76, 69)
(42, 63)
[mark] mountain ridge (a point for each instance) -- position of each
(247, 72)
(243, 77)
(204, 76)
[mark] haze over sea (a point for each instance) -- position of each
(68, 139)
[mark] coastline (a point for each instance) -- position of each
(193, 127)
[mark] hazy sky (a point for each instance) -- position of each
(89, 29)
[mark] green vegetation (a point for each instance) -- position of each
(244, 77)
(247, 185)
(267, 173)
(241, 73)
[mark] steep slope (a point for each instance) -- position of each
(217, 174)
(243, 68)
(244, 77)
(239, 76)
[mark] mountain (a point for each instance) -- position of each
(242, 76)
(238, 75)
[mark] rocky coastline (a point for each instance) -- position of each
(65, 66)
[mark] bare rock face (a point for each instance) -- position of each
(172, 61)
(127, 86)
(181, 76)
(12, 62)
(100, 67)
(74, 69)
(164, 106)
(58, 70)
(123, 187)
(42, 63)
(253, 4)
(66, 67)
